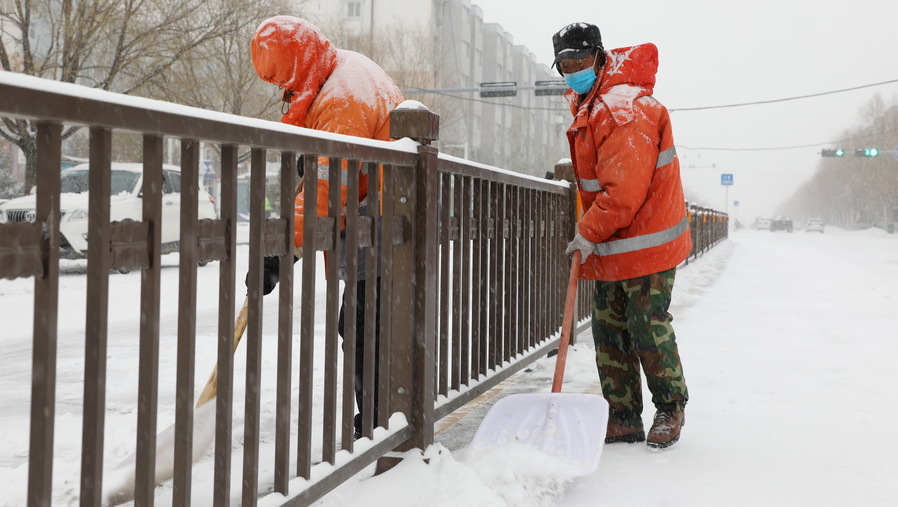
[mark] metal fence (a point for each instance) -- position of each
(470, 261)
(708, 228)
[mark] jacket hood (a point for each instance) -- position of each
(633, 66)
(629, 73)
(293, 54)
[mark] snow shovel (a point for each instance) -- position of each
(120, 487)
(569, 427)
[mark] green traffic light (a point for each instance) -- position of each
(840, 152)
(866, 152)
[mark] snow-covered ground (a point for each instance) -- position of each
(788, 345)
(789, 349)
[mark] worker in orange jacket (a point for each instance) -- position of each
(633, 232)
(331, 90)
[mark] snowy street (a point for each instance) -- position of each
(788, 347)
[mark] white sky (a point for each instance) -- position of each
(717, 53)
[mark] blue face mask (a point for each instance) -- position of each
(582, 80)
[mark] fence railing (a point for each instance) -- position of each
(708, 228)
(500, 283)
(469, 261)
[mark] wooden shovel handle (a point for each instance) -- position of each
(566, 325)
(211, 388)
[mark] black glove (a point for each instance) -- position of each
(270, 273)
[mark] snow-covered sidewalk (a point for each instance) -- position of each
(789, 348)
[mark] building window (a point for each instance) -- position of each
(354, 9)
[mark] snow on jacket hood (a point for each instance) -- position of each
(629, 73)
(292, 53)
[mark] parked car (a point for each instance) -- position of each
(762, 224)
(814, 225)
(125, 203)
(781, 223)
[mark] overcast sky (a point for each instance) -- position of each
(718, 53)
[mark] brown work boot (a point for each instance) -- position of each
(665, 430)
(620, 433)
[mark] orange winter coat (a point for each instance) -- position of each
(334, 90)
(627, 171)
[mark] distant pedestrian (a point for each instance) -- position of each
(331, 90)
(634, 231)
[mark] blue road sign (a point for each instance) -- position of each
(726, 179)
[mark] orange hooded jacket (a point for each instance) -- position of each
(627, 171)
(334, 90)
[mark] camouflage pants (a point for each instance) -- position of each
(631, 328)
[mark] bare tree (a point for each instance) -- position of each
(126, 46)
(853, 191)
(9, 187)
(219, 74)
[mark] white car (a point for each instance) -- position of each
(764, 224)
(125, 203)
(814, 225)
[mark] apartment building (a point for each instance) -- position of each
(440, 52)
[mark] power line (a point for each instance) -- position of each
(473, 99)
(771, 101)
(777, 148)
(672, 110)
(794, 147)
(774, 148)
(700, 148)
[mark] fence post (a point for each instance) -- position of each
(46, 307)
(414, 304)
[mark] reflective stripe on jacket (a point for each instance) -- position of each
(334, 90)
(627, 171)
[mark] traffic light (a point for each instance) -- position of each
(838, 152)
(866, 152)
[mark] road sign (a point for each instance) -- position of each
(726, 179)
(735, 203)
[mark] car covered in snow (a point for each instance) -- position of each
(125, 203)
(781, 223)
(814, 225)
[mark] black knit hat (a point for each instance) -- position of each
(576, 41)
